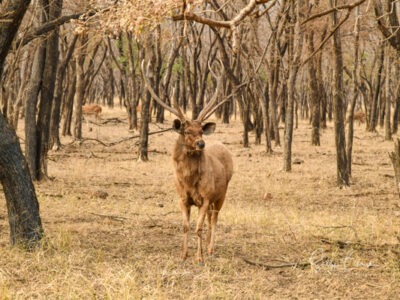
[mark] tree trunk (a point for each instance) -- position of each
(395, 158)
(80, 87)
(69, 102)
(388, 131)
(144, 127)
(47, 90)
(147, 52)
(295, 46)
(338, 106)
(314, 92)
(56, 108)
(396, 111)
(350, 110)
(373, 116)
(273, 93)
(31, 132)
(23, 209)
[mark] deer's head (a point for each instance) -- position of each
(192, 133)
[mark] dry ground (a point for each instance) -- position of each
(127, 245)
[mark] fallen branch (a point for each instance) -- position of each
(113, 120)
(111, 217)
(298, 265)
(359, 245)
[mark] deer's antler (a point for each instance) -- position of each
(176, 111)
(205, 112)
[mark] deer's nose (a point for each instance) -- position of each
(201, 144)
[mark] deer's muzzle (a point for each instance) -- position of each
(201, 144)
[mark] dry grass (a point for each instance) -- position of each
(127, 245)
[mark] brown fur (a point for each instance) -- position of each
(358, 116)
(201, 177)
(91, 109)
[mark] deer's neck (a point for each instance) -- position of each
(188, 162)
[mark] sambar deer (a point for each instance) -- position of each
(202, 174)
(358, 116)
(91, 110)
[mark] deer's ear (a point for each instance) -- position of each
(209, 128)
(177, 125)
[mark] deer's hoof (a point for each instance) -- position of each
(200, 260)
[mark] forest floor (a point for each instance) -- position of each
(280, 235)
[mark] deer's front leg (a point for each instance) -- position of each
(185, 208)
(199, 229)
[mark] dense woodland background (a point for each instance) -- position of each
(272, 64)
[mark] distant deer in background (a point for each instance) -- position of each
(91, 110)
(358, 116)
(202, 174)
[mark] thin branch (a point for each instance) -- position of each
(121, 140)
(349, 7)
